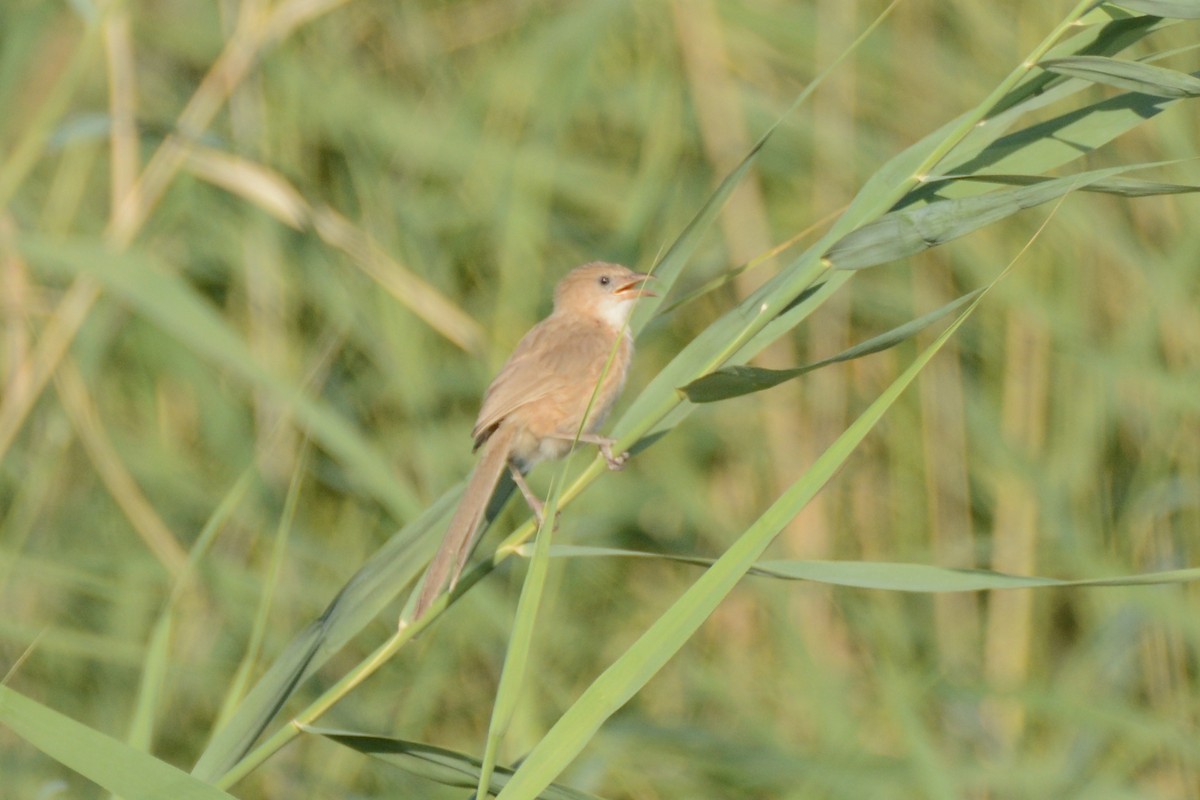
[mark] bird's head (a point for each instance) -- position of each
(600, 290)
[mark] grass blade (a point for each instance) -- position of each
(1056, 141)
(1128, 75)
(736, 381)
(892, 576)
(1179, 9)
(1122, 187)
(156, 663)
(446, 767)
(1041, 87)
(914, 230)
(103, 760)
(516, 657)
(926, 578)
(270, 583)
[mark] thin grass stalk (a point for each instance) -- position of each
(1009, 636)
(258, 631)
(516, 658)
(155, 666)
(24, 155)
(122, 102)
(143, 518)
(19, 399)
(947, 491)
(819, 404)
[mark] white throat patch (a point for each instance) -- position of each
(616, 311)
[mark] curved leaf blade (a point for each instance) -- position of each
(1122, 187)
(1129, 75)
(447, 767)
(1176, 9)
(893, 575)
(103, 760)
(903, 233)
(926, 578)
(729, 382)
(1057, 141)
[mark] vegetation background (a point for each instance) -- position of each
(382, 196)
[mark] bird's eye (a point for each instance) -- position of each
(605, 280)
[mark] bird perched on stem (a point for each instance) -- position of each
(555, 389)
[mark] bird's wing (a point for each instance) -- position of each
(540, 366)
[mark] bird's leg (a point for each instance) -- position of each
(535, 503)
(616, 462)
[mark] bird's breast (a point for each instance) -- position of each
(568, 388)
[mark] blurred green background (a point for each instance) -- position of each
(381, 199)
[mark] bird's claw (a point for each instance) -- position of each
(615, 462)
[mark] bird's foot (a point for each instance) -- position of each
(615, 462)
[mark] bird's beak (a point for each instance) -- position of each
(635, 286)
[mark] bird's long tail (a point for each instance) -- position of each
(463, 530)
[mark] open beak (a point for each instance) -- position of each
(635, 287)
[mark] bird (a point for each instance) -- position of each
(557, 388)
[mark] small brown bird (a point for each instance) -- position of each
(570, 365)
